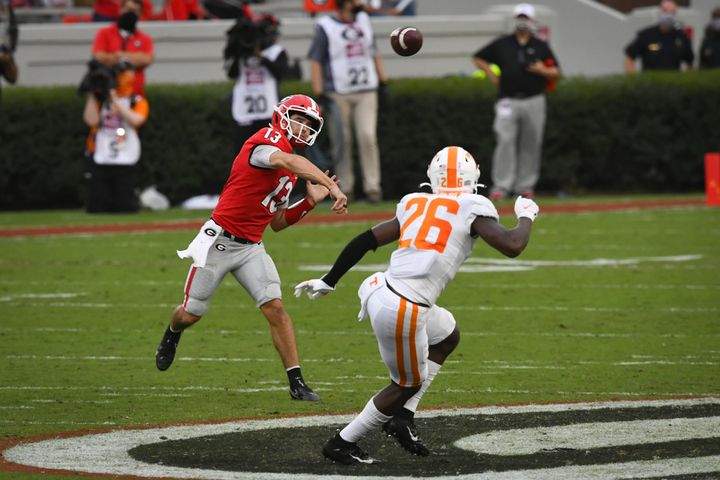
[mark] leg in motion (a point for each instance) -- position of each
(402, 425)
(343, 447)
(165, 353)
(283, 337)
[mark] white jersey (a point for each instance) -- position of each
(256, 89)
(352, 53)
(116, 141)
(434, 242)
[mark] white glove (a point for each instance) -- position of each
(526, 207)
(314, 288)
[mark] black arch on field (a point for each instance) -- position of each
(297, 450)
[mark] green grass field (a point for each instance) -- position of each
(82, 316)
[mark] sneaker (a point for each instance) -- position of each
(165, 353)
(347, 453)
(303, 392)
(528, 194)
(406, 434)
(497, 196)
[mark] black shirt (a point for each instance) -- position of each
(513, 60)
(660, 50)
(710, 50)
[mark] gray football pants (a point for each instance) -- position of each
(519, 126)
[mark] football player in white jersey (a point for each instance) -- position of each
(435, 233)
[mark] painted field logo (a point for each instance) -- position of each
(602, 440)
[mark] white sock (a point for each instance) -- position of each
(433, 369)
(369, 419)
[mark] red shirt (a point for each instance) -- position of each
(180, 10)
(111, 8)
(251, 195)
(108, 39)
(107, 8)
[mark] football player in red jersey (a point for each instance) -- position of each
(257, 195)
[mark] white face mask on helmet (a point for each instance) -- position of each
(306, 107)
(453, 170)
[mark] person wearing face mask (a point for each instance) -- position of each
(664, 46)
(346, 73)
(528, 67)
(710, 47)
(124, 41)
(115, 116)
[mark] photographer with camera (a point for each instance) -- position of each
(257, 64)
(114, 114)
(8, 42)
(124, 41)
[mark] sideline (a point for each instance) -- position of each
(332, 218)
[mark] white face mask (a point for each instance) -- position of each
(523, 25)
(667, 20)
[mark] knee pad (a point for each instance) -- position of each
(196, 307)
(270, 292)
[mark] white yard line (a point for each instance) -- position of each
(361, 331)
(492, 363)
(484, 308)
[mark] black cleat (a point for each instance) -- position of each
(347, 453)
(406, 434)
(165, 353)
(303, 392)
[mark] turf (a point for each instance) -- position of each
(83, 315)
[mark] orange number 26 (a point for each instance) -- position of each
(429, 220)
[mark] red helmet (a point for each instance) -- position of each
(305, 106)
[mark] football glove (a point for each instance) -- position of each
(526, 207)
(314, 288)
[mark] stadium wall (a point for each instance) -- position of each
(587, 37)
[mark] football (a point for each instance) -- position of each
(406, 41)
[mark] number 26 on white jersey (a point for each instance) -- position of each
(416, 229)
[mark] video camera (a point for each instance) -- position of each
(243, 39)
(246, 36)
(8, 41)
(98, 80)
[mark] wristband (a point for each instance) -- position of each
(298, 211)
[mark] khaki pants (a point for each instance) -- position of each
(358, 112)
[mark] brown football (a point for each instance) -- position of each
(406, 41)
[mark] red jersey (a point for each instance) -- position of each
(252, 195)
(108, 39)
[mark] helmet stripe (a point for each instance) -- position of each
(452, 164)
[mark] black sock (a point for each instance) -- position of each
(170, 336)
(295, 378)
(405, 414)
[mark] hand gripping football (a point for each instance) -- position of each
(406, 41)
